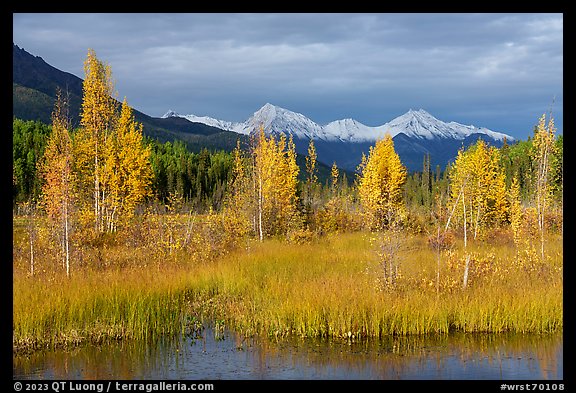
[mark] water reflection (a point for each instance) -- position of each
(456, 356)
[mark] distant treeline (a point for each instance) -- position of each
(201, 178)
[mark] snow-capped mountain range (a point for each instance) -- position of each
(418, 124)
(415, 133)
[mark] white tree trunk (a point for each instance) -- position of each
(31, 253)
(260, 207)
(438, 259)
(465, 280)
(477, 221)
(66, 239)
(96, 189)
(466, 267)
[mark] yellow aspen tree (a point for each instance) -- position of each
(261, 161)
(543, 148)
(310, 200)
(276, 177)
(283, 182)
(127, 172)
(380, 184)
(311, 170)
(460, 180)
(238, 206)
(380, 191)
(334, 174)
(488, 194)
(109, 179)
(279, 187)
(333, 211)
(477, 192)
(459, 177)
(498, 206)
(515, 210)
(479, 167)
(59, 178)
(135, 170)
(290, 198)
(237, 185)
(478, 176)
(97, 118)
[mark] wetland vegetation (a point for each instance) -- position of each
(118, 238)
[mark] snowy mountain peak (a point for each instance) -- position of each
(422, 125)
(350, 130)
(269, 106)
(419, 115)
(266, 115)
(275, 120)
(170, 113)
(419, 111)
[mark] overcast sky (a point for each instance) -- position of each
(500, 71)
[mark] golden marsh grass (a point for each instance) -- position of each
(326, 288)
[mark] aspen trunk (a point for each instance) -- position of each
(260, 207)
(96, 190)
(464, 207)
(466, 267)
(66, 240)
(477, 221)
(438, 260)
(465, 280)
(31, 254)
(453, 209)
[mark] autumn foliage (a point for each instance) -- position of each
(380, 184)
(104, 183)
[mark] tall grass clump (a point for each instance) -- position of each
(332, 289)
(95, 307)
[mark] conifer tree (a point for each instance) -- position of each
(426, 182)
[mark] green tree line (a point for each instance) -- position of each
(201, 178)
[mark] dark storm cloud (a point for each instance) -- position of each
(495, 70)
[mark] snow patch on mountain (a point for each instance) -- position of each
(210, 121)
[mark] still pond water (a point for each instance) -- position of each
(228, 356)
